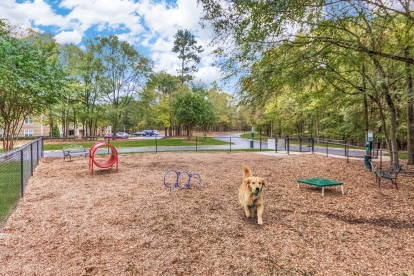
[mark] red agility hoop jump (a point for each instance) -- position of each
(113, 158)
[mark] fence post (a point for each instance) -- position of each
(21, 173)
(108, 144)
(275, 144)
(37, 153)
(300, 144)
(260, 142)
(345, 147)
(230, 143)
(156, 144)
(41, 154)
(313, 144)
(326, 147)
(31, 158)
(286, 138)
(347, 153)
(288, 144)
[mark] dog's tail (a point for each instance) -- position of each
(246, 172)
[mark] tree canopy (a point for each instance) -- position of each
(185, 45)
(332, 61)
(31, 79)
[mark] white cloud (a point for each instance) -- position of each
(162, 45)
(105, 14)
(163, 24)
(37, 12)
(69, 37)
(147, 24)
(208, 74)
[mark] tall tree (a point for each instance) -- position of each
(192, 109)
(223, 106)
(85, 70)
(124, 71)
(165, 87)
(379, 30)
(185, 45)
(31, 78)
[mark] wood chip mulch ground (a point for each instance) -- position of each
(128, 223)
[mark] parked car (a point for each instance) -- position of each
(150, 132)
(139, 133)
(118, 135)
(122, 135)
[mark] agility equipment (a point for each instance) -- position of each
(113, 158)
(321, 182)
(172, 179)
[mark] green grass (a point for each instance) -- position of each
(132, 143)
(403, 155)
(9, 187)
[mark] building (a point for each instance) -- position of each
(32, 128)
(36, 127)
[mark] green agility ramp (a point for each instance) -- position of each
(321, 182)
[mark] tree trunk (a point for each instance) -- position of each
(366, 117)
(189, 133)
(393, 131)
(383, 123)
(366, 122)
(386, 91)
(51, 126)
(410, 111)
(75, 123)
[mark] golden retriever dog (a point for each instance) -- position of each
(251, 194)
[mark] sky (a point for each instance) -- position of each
(149, 25)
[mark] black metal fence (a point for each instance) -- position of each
(262, 143)
(16, 167)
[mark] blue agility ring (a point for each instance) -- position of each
(172, 185)
(194, 179)
(176, 183)
(183, 184)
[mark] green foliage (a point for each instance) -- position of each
(154, 106)
(31, 80)
(192, 109)
(185, 45)
(84, 98)
(123, 72)
(223, 109)
(345, 66)
(55, 132)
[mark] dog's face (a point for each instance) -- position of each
(255, 184)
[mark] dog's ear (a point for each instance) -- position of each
(246, 172)
(263, 183)
(247, 182)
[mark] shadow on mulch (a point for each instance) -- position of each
(382, 222)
